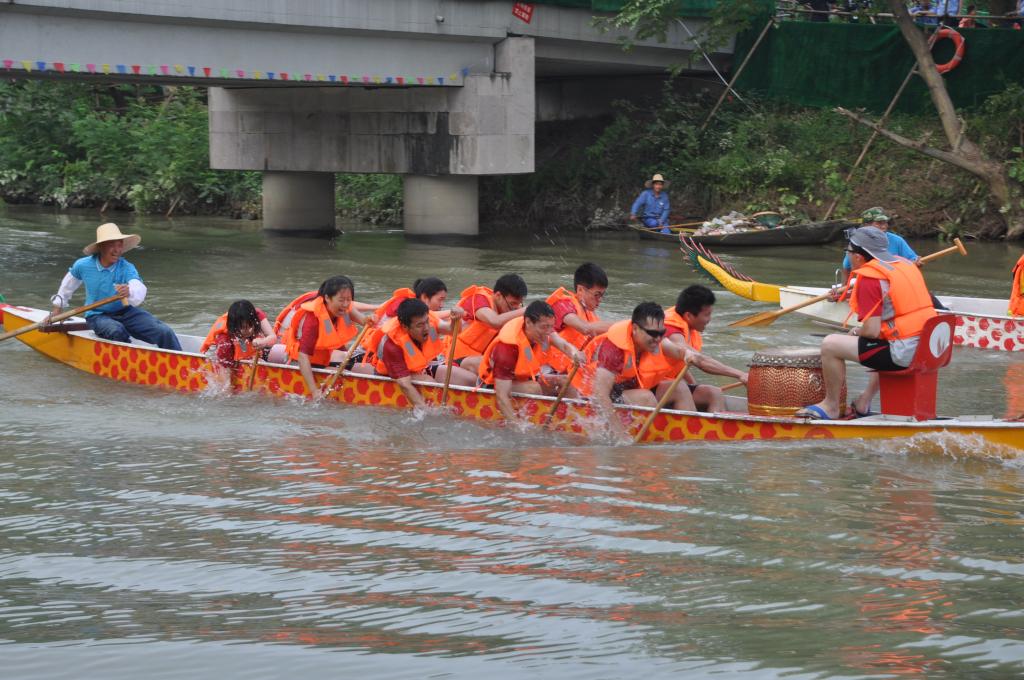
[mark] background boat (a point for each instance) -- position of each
(812, 233)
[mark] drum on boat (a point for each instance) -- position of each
(785, 379)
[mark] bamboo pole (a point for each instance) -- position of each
(736, 75)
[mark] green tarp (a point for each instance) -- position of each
(863, 65)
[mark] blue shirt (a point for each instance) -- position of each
(646, 205)
(897, 246)
(922, 19)
(99, 280)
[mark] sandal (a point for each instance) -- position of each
(813, 412)
(860, 414)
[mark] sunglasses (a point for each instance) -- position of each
(653, 332)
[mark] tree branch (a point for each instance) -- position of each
(919, 146)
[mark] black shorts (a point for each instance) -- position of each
(619, 388)
(874, 353)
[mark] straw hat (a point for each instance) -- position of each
(111, 232)
(656, 178)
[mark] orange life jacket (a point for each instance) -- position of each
(287, 315)
(373, 336)
(334, 333)
(911, 302)
(646, 371)
(693, 338)
(243, 348)
(559, 361)
(416, 357)
(474, 338)
(1017, 293)
(531, 357)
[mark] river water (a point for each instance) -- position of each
(164, 535)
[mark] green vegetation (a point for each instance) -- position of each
(138, 148)
(146, 149)
(766, 157)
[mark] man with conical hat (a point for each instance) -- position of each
(105, 273)
(651, 207)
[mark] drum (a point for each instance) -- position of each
(784, 380)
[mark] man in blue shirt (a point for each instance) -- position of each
(877, 217)
(652, 206)
(105, 273)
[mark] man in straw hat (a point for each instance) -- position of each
(651, 206)
(892, 302)
(105, 272)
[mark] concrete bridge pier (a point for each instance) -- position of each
(299, 203)
(443, 204)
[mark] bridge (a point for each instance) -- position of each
(439, 91)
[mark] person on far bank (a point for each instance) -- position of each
(105, 273)
(651, 206)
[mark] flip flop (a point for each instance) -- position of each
(860, 414)
(813, 412)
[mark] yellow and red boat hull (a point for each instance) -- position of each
(192, 372)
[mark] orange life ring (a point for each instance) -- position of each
(958, 41)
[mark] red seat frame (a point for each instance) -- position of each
(912, 391)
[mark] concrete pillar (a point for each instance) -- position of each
(299, 203)
(447, 204)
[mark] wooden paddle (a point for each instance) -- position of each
(661, 404)
(451, 358)
(59, 317)
(732, 386)
(329, 385)
(252, 373)
(561, 395)
(767, 318)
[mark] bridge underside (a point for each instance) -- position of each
(438, 92)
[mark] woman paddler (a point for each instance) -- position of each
(432, 292)
(322, 327)
(240, 334)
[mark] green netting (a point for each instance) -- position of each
(863, 65)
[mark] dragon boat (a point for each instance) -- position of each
(189, 371)
(982, 323)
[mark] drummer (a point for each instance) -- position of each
(892, 303)
(684, 324)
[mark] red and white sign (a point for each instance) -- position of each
(522, 11)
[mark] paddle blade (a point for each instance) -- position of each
(759, 319)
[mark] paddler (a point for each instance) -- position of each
(892, 302)
(576, 319)
(519, 358)
(321, 328)
(1017, 291)
(411, 349)
(240, 334)
(624, 365)
(432, 291)
(684, 325)
(106, 273)
(487, 310)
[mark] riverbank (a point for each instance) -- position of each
(145, 149)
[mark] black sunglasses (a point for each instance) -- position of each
(654, 333)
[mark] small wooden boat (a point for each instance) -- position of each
(980, 322)
(813, 233)
(189, 371)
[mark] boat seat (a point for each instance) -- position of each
(912, 391)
